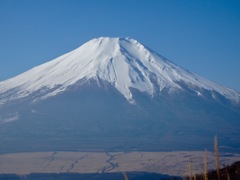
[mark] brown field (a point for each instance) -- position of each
(172, 163)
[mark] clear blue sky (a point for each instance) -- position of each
(202, 36)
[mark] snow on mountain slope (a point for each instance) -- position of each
(123, 62)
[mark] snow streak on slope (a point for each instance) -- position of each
(122, 62)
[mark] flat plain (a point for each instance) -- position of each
(171, 163)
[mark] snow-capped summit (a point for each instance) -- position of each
(122, 62)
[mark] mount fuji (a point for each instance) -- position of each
(115, 94)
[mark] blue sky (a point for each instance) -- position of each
(202, 36)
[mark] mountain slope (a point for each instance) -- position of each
(123, 62)
(114, 94)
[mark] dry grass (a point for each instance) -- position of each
(227, 173)
(217, 156)
(190, 170)
(205, 165)
(228, 176)
(125, 175)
